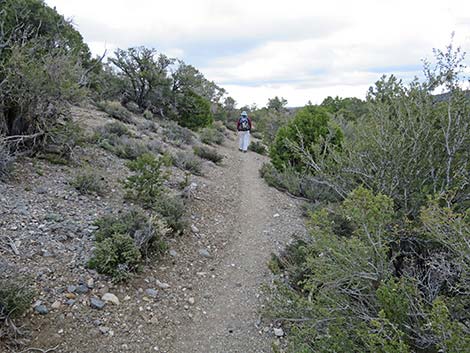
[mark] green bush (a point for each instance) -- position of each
(148, 114)
(115, 128)
(147, 232)
(146, 184)
(208, 153)
(312, 129)
(115, 110)
(88, 182)
(188, 161)
(194, 111)
(116, 256)
(212, 136)
(130, 148)
(257, 147)
(377, 269)
(16, 294)
(178, 135)
(60, 141)
(172, 209)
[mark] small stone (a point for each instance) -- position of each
(70, 302)
(41, 309)
(194, 229)
(278, 332)
(82, 289)
(95, 303)
(276, 215)
(191, 301)
(162, 285)
(90, 283)
(56, 305)
(41, 190)
(151, 292)
(127, 298)
(173, 253)
(70, 295)
(71, 288)
(104, 330)
(204, 253)
(110, 298)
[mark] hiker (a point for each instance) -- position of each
(244, 128)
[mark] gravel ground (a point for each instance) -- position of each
(203, 296)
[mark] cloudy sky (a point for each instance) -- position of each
(298, 49)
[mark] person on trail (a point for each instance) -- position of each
(244, 128)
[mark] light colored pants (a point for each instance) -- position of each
(244, 137)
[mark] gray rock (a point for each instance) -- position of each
(278, 332)
(41, 309)
(204, 253)
(82, 289)
(71, 288)
(194, 229)
(162, 285)
(103, 329)
(151, 292)
(173, 253)
(70, 302)
(46, 253)
(96, 303)
(41, 190)
(110, 298)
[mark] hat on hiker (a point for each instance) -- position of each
(244, 113)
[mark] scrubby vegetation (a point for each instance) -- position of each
(212, 136)
(208, 153)
(16, 295)
(88, 182)
(384, 268)
(124, 241)
(257, 147)
(146, 184)
(188, 161)
(115, 110)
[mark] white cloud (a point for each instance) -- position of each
(300, 49)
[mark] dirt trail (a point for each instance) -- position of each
(213, 273)
(263, 220)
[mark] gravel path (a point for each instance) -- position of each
(263, 220)
(213, 274)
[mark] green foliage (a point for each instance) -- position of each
(144, 74)
(16, 294)
(311, 128)
(146, 184)
(88, 182)
(395, 282)
(123, 240)
(257, 147)
(208, 153)
(178, 135)
(147, 114)
(42, 66)
(172, 209)
(115, 128)
(115, 110)
(212, 136)
(194, 111)
(116, 256)
(297, 184)
(188, 161)
(348, 108)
